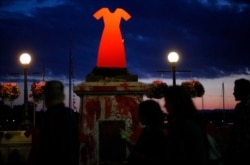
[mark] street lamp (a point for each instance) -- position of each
(173, 58)
(25, 59)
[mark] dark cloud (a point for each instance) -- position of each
(212, 37)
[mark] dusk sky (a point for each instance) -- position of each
(211, 36)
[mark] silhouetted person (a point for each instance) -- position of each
(239, 145)
(150, 148)
(59, 141)
(187, 140)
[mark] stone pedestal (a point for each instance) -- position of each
(105, 108)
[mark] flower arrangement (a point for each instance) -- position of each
(194, 88)
(37, 91)
(9, 91)
(156, 89)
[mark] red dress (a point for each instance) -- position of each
(111, 53)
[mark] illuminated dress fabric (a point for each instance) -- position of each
(111, 52)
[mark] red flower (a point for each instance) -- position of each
(37, 91)
(157, 89)
(194, 88)
(9, 91)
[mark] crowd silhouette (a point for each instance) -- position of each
(180, 137)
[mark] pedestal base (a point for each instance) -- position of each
(105, 108)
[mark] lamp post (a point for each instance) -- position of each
(173, 58)
(25, 59)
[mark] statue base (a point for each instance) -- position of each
(111, 74)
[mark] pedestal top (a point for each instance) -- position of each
(110, 88)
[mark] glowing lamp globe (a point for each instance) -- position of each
(173, 57)
(25, 59)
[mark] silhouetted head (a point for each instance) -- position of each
(178, 102)
(241, 89)
(53, 93)
(150, 113)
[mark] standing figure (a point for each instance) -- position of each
(186, 139)
(111, 52)
(150, 148)
(238, 151)
(59, 140)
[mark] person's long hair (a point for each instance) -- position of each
(181, 103)
(150, 113)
